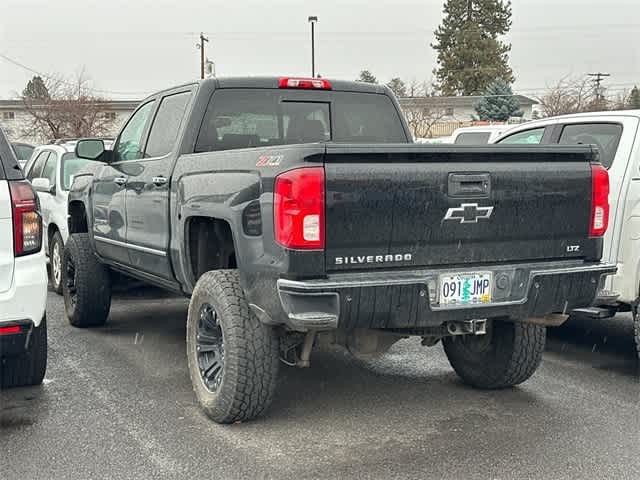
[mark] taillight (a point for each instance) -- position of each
(305, 83)
(298, 208)
(27, 223)
(10, 330)
(599, 201)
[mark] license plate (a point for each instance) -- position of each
(465, 288)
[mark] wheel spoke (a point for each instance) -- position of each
(210, 347)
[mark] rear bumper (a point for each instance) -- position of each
(26, 299)
(409, 299)
(15, 343)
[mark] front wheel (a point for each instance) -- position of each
(86, 284)
(232, 356)
(507, 355)
(56, 247)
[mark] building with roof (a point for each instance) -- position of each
(15, 119)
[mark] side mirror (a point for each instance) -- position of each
(90, 149)
(42, 185)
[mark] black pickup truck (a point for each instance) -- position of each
(298, 212)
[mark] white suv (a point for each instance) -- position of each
(23, 278)
(50, 170)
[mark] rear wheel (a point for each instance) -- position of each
(86, 284)
(232, 356)
(507, 355)
(56, 248)
(636, 330)
(30, 367)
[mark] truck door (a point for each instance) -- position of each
(109, 188)
(147, 191)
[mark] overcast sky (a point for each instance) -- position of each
(134, 47)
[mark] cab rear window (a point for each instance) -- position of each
(245, 118)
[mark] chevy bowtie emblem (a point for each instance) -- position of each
(468, 213)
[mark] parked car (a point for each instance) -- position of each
(23, 152)
(51, 170)
(435, 140)
(616, 134)
(480, 135)
(298, 212)
(23, 279)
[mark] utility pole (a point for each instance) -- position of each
(598, 80)
(200, 46)
(312, 21)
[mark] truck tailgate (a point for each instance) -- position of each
(415, 205)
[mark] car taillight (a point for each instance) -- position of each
(27, 223)
(298, 208)
(10, 330)
(305, 83)
(599, 201)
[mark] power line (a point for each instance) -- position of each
(51, 77)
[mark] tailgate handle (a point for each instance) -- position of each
(469, 185)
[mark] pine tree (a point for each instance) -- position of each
(36, 89)
(398, 87)
(470, 55)
(634, 99)
(367, 77)
(498, 103)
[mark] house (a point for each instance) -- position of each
(440, 116)
(14, 118)
(460, 109)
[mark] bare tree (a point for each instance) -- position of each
(69, 108)
(571, 95)
(421, 88)
(421, 119)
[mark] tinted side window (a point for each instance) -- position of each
(528, 137)
(473, 138)
(38, 165)
(49, 170)
(130, 142)
(166, 124)
(606, 136)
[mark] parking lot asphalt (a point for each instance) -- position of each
(117, 403)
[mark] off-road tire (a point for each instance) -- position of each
(508, 356)
(56, 242)
(250, 361)
(87, 294)
(30, 367)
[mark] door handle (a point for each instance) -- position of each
(159, 181)
(120, 181)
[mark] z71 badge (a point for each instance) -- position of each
(269, 160)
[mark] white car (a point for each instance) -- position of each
(23, 278)
(480, 135)
(50, 170)
(617, 136)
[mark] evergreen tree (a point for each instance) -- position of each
(398, 87)
(498, 103)
(36, 89)
(470, 55)
(367, 77)
(634, 99)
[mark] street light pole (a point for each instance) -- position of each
(312, 21)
